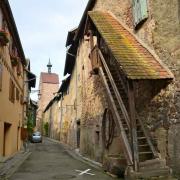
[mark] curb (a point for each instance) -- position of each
(76, 155)
(9, 169)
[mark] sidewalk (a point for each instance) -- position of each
(9, 165)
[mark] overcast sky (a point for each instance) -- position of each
(43, 27)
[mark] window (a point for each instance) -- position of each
(4, 25)
(19, 68)
(1, 18)
(140, 11)
(17, 94)
(21, 100)
(1, 74)
(11, 91)
(93, 54)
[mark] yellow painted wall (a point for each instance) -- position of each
(11, 113)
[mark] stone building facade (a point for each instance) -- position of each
(155, 100)
(14, 84)
(161, 32)
(51, 116)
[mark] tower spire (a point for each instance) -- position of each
(49, 65)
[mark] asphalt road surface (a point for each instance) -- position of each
(50, 161)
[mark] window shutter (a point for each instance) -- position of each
(136, 12)
(10, 90)
(144, 9)
(13, 92)
(17, 94)
(19, 68)
(1, 74)
(140, 11)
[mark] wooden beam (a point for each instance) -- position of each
(118, 96)
(117, 119)
(91, 39)
(133, 125)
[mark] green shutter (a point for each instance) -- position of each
(140, 11)
(135, 12)
(144, 9)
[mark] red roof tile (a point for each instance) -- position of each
(135, 60)
(49, 78)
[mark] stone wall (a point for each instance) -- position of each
(71, 111)
(161, 32)
(94, 102)
(122, 9)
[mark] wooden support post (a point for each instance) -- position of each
(91, 39)
(133, 125)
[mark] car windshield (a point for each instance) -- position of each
(36, 134)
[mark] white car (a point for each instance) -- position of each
(36, 137)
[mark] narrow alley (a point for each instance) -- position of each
(90, 89)
(50, 161)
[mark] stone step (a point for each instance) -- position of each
(143, 156)
(164, 172)
(152, 164)
(143, 147)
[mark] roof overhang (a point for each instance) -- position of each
(70, 59)
(135, 60)
(31, 79)
(64, 85)
(73, 39)
(70, 36)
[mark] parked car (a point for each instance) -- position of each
(36, 137)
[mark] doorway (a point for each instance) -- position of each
(6, 138)
(78, 133)
(18, 135)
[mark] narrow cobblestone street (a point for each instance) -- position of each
(50, 160)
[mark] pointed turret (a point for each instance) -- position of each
(49, 65)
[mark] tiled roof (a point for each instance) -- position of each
(49, 78)
(135, 60)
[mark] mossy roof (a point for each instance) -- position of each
(135, 60)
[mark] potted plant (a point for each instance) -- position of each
(4, 37)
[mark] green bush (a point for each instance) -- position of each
(46, 128)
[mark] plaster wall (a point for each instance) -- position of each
(47, 91)
(10, 113)
(54, 120)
